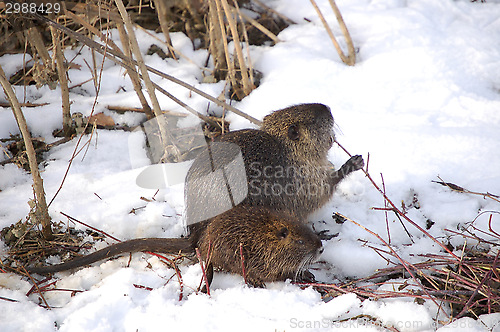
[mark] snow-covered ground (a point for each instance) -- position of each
(423, 100)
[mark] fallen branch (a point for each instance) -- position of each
(460, 189)
(27, 104)
(44, 148)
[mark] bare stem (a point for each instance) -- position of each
(63, 81)
(203, 271)
(399, 211)
(41, 209)
(349, 60)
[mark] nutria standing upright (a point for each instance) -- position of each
(274, 247)
(283, 166)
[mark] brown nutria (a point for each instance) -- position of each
(282, 166)
(274, 246)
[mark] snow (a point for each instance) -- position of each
(422, 100)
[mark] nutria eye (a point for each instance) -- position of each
(283, 233)
(293, 132)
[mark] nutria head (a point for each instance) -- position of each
(306, 129)
(274, 246)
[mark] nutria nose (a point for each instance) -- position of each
(320, 250)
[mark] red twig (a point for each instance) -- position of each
(37, 288)
(172, 263)
(386, 214)
(142, 287)
(203, 271)
(486, 277)
(41, 287)
(490, 228)
(401, 213)
(403, 262)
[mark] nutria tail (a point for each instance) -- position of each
(135, 245)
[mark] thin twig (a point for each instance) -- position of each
(37, 288)
(399, 212)
(460, 189)
(7, 299)
(486, 277)
(386, 214)
(405, 264)
(172, 263)
(92, 228)
(203, 271)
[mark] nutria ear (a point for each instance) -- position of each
(283, 233)
(293, 132)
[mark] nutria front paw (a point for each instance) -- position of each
(355, 163)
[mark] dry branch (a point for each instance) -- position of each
(350, 59)
(134, 46)
(41, 209)
(27, 104)
(259, 26)
(122, 60)
(161, 8)
(247, 85)
(460, 189)
(132, 73)
(63, 81)
(405, 264)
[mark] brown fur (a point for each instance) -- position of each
(285, 164)
(275, 247)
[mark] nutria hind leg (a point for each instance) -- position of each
(255, 282)
(209, 273)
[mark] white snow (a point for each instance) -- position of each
(423, 100)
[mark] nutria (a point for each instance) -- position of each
(282, 166)
(274, 246)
